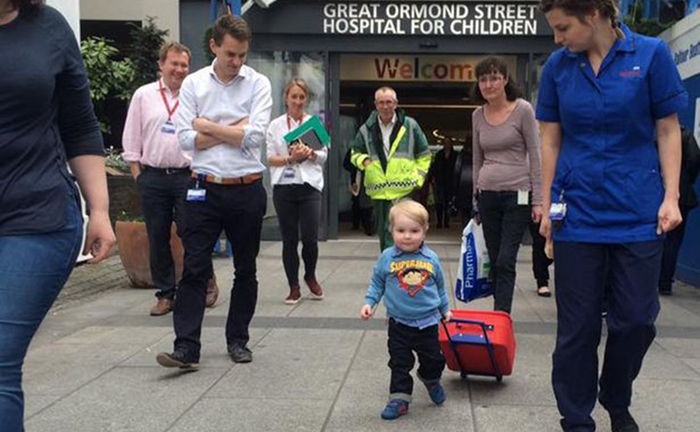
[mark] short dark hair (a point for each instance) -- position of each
(173, 46)
(32, 4)
(231, 25)
(490, 65)
(580, 8)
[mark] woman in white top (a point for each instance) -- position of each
(296, 173)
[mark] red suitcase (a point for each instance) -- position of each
(479, 343)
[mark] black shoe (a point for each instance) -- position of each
(179, 359)
(623, 422)
(665, 291)
(240, 354)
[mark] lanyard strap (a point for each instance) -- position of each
(165, 101)
(289, 123)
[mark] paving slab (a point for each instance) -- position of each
(310, 363)
(317, 366)
(127, 399)
(253, 415)
(366, 389)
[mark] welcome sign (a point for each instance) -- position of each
(435, 68)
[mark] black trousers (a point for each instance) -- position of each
(672, 243)
(298, 209)
(442, 207)
(403, 342)
(540, 262)
(581, 274)
(163, 202)
(504, 223)
(238, 210)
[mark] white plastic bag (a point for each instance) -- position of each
(474, 265)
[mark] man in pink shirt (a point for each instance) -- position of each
(160, 168)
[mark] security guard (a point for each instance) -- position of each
(603, 98)
(393, 152)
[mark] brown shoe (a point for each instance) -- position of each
(212, 292)
(294, 295)
(162, 307)
(315, 288)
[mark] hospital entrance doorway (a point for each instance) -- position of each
(443, 110)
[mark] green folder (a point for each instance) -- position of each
(311, 132)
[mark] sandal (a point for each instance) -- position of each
(544, 291)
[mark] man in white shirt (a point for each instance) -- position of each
(160, 168)
(224, 112)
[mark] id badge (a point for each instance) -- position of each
(557, 211)
(196, 194)
(168, 127)
(523, 197)
(289, 173)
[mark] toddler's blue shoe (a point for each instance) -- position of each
(395, 409)
(437, 394)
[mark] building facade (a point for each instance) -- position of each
(426, 50)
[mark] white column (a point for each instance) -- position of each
(71, 10)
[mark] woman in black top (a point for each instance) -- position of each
(46, 122)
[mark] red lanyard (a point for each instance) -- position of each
(289, 124)
(165, 101)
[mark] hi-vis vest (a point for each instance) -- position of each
(407, 163)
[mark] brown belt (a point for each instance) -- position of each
(247, 179)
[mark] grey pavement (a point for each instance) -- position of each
(317, 366)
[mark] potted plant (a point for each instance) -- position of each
(129, 225)
(134, 251)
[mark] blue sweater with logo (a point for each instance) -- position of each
(411, 283)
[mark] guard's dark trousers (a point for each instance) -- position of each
(581, 272)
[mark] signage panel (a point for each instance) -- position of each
(421, 68)
(434, 19)
(511, 18)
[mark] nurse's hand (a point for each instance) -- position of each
(545, 227)
(669, 216)
(536, 213)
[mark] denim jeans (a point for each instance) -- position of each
(298, 209)
(504, 223)
(33, 269)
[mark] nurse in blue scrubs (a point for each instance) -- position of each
(604, 98)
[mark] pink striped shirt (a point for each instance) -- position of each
(144, 140)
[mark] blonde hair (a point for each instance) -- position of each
(413, 209)
(296, 82)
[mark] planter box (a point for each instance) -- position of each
(123, 196)
(134, 252)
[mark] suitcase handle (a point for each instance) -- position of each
(481, 324)
(489, 345)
